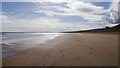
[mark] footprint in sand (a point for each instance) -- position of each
(91, 52)
(60, 52)
(91, 48)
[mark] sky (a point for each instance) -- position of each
(53, 15)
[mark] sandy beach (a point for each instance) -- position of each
(73, 49)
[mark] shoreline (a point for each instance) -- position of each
(76, 49)
(11, 47)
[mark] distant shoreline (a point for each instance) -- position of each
(107, 29)
(113, 33)
(100, 30)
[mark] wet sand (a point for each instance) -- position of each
(74, 49)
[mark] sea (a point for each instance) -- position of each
(9, 39)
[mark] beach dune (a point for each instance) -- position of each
(73, 49)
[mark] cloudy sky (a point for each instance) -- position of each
(53, 15)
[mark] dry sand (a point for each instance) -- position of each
(80, 49)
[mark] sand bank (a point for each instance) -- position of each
(80, 49)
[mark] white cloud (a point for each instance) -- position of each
(114, 13)
(114, 5)
(43, 25)
(87, 11)
(0, 22)
(55, 0)
(4, 18)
